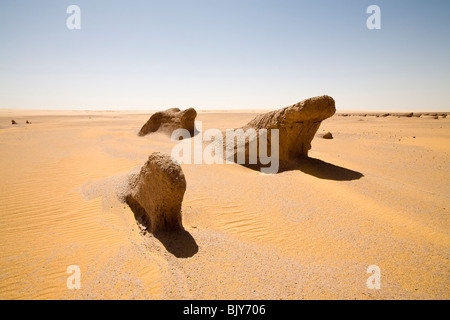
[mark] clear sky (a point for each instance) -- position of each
(224, 54)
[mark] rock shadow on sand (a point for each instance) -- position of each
(180, 243)
(324, 170)
(315, 167)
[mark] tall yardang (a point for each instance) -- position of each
(170, 120)
(297, 125)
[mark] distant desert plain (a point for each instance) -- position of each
(377, 194)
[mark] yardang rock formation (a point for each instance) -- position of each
(157, 194)
(297, 125)
(170, 120)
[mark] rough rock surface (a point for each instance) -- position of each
(297, 125)
(157, 194)
(170, 120)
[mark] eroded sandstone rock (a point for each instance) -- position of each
(170, 120)
(157, 194)
(296, 124)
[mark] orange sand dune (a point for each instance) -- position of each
(377, 194)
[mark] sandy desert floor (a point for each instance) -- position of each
(377, 194)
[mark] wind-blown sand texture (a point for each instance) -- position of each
(377, 194)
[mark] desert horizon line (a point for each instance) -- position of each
(212, 110)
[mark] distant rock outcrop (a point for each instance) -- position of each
(297, 125)
(170, 120)
(156, 194)
(13, 122)
(403, 115)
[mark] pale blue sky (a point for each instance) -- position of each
(224, 54)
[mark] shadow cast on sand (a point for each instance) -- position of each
(180, 243)
(324, 170)
(317, 168)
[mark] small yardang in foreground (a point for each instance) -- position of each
(157, 194)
